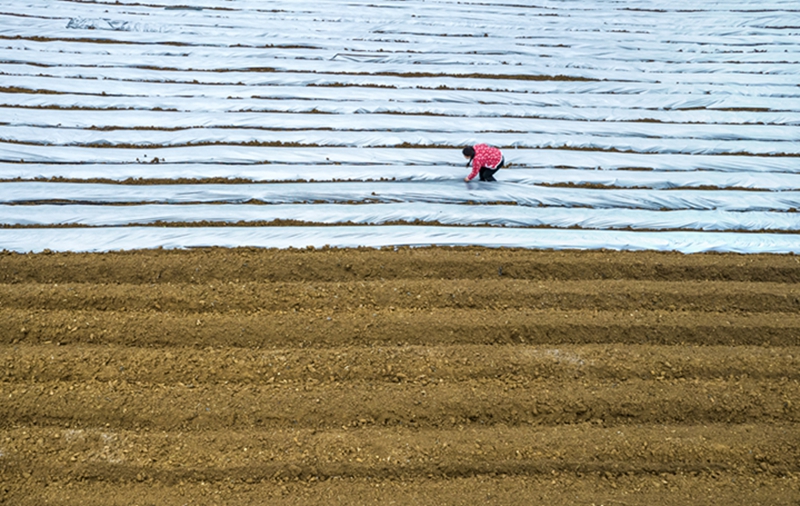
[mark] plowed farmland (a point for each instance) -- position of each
(399, 376)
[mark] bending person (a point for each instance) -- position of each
(485, 161)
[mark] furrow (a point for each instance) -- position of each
(112, 454)
(412, 365)
(245, 265)
(393, 326)
(498, 294)
(438, 404)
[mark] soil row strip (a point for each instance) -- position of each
(110, 455)
(439, 404)
(413, 365)
(241, 265)
(368, 327)
(501, 293)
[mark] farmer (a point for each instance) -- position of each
(485, 160)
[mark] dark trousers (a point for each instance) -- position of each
(487, 174)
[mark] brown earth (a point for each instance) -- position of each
(411, 376)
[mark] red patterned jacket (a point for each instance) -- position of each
(485, 156)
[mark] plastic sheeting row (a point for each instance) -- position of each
(524, 157)
(240, 85)
(720, 112)
(146, 89)
(438, 192)
(125, 238)
(335, 172)
(82, 126)
(377, 214)
(593, 66)
(333, 138)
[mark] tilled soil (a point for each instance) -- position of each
(409, 376)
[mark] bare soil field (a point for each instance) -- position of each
(409, 376)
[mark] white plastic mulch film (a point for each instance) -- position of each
(658, 125)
